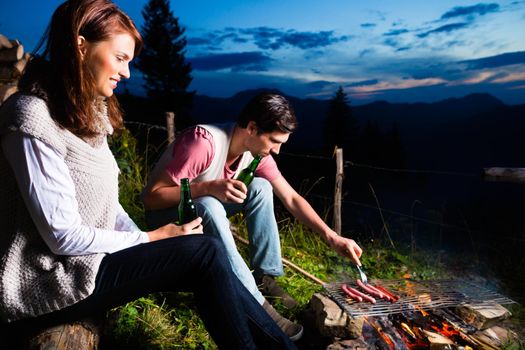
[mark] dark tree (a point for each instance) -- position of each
(372, 144)
(340, 127)
(166, 73)
(394, 152)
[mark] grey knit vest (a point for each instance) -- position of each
(33, 280)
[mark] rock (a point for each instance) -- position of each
(332, 321)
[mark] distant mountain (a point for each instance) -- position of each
(458, 133)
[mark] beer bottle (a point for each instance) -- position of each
(187, 210)
(246, 175)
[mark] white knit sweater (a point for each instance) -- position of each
(33, 280)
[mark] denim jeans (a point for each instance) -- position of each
(263, 233)
(190, 263)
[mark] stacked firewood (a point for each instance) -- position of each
(12, 63)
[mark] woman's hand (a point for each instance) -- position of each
(172, 230)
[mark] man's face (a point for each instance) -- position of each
(267, 143)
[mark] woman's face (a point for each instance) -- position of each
(108, 61)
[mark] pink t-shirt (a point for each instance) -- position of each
(193, 152)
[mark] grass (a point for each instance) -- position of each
(170, 321)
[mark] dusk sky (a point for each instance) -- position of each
(399, 51)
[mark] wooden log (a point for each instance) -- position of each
(516, 175)
(438, 341)
(482, 316)
(75, 336)
(495, 337)
(18, 67)
(6, 91)
(12, 54)
(6, 72)
(347, 344)
(5, 43)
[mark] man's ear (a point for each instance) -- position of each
(252, 128)
(82, 46)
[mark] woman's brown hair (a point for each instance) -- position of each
(59, 71)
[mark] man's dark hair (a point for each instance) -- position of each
(270, 112)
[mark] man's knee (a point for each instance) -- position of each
(260, 188)
(209, 205)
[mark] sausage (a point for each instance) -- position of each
(370, 289)
(392, 297)
(362, 295)
(354, 296)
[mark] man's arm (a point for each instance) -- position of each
(303, 211)
(165, 193)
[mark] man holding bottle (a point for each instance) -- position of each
(212, 156)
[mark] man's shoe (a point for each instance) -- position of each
(269, 287)
(293, 330)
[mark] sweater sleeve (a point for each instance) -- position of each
(49, 193)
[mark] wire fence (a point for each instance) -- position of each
(377, 169)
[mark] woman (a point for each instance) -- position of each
(67, 248)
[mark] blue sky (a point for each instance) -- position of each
(399, 51)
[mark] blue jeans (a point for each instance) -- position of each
(190, 263)
(263, 233)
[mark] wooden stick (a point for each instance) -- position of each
(285, 261)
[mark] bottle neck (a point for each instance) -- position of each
(185, 189)
(255, 162)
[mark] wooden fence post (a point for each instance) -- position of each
(170, 124)
(516, 175)
(339, 174)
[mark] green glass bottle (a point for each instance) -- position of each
(187, 209)
(246, 175)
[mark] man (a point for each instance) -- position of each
(211, 156)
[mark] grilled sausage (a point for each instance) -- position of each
(370, 289)
(347, 291)
(392, 296)
(362, 295)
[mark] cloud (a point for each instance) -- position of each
(470, 11)
(368, 25)
(366, 52)
(362, 83)
(271, 38)
(395, 32)
(267, 38)
(241, 61)
(496, 61)
(447, 28)
(397, 85)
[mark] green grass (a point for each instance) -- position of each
(170, 321)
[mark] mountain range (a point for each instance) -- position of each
(467, 133)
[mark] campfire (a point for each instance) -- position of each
(439, 314)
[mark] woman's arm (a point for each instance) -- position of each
(49, 194)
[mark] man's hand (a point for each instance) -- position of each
(228, 190)
(172, 230)
(346, 247)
